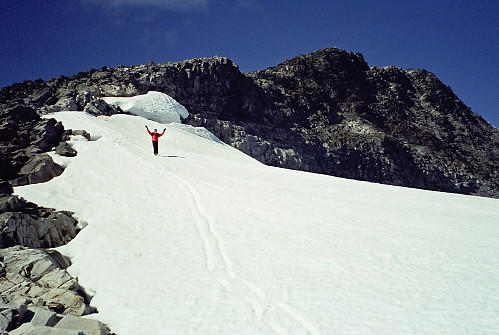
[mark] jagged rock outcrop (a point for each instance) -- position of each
(38, 296)
(393, 126)
(21, 222)
(62, 325)
(50, 229)
(31, 275)
(65, 149)
(326, 112)
(25, 223)
(37, 169)
(24, 138)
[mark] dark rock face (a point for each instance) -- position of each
(65, 149)
(24, 137)
(325, 112)
(38, 169)
(393, 126)
(24, 223)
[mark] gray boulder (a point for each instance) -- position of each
(98, 106)
(31, 329)
(81, 132)
(18, 228)
(44, 96)
(30, 263)
(91, 109)
(48, 133)
(44, 317)
(65, 149)
(66, 301)
(38, 169)
(19, 114)
(83, 98)
(6, 317)
(88, 326)
(10, 203)
(67, 104)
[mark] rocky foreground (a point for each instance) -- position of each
(40, 297)
(37, 294)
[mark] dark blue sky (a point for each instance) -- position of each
(455, 39)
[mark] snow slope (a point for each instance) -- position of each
(205, 240)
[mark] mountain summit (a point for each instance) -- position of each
(326, 112)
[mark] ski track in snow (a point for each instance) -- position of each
(266, 263)
(218, 262)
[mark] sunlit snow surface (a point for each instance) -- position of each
(205, 240)
(154, 106)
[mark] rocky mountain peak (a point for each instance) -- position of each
(325, 112)
(326, 61)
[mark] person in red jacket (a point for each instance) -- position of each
(155, 136)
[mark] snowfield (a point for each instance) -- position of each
(205, 240)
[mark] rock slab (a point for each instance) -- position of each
(38, 296)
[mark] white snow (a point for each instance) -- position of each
(205, 240)
(155, 106)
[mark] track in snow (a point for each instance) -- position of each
(219, 263)
(277, 315)
(213, 251)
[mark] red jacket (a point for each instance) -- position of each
(155, 136)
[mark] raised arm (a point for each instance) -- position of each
(159, 135)
(148, 130)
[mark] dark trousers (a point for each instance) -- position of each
(155, 147)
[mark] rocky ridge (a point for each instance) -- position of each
(325, 112)
(387, 125)
(37, 294)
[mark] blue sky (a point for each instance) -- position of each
(457, 40)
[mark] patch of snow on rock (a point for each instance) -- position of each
(155, 106)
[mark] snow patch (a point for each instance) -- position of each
(154, 106)
(78, 138)
(201, 132)
(61, 160)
